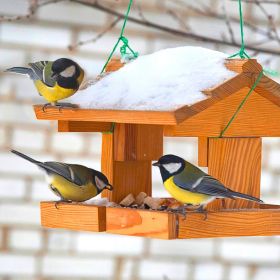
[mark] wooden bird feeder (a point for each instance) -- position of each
(138, 139)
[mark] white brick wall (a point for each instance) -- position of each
(250, 251)
(12, 264)
(195, 248)
(19, 213)
(208, 271)
(25, 240)
(11, 188)
(33, 140)
(109, 244)
(78, 267)
(157, 270)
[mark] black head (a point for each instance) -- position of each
(101, 181)
(170, 165)
(66, 72)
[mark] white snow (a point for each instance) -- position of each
(163, 81)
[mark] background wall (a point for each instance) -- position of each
(28, 251)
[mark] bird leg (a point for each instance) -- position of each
(201, 210)
(180, 210)
(59, 105)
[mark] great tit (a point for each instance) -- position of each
(190, 185)
(54, 80)
(71, 182)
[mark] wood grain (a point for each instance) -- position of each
(243, 65)
(83, 126)
(73, 216)
(127, 156)
(125, 176)
(118, 116)
(138, 142)
(236, 162)
(145, 223)
(259, 117)
(114, 65)
(231, 223)
(203, 151)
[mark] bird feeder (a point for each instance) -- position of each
(137, 140)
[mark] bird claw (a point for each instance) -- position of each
(45, 106)
(61, 201)
(202, 211)
(66, 105)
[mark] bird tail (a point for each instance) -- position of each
(20, 70)
(26, 157)
(245, 196)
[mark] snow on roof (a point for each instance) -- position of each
(163, 81)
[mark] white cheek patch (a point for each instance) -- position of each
(68, 72)
(99, 183)
(172, 167)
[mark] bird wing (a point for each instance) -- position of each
(67, 171)
(42, 71)
(205, 185)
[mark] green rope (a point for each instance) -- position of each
(111, 129)
(124, 40)
(241, 104)
(242, 53)
(123, 51)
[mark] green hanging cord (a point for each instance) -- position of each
(111, 129)
(242, 103)
(123, 39)
(242, 53)
(122, 50)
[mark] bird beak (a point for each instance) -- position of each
(109, 187)
(156, 164)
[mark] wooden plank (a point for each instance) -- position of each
(145, 223)
(243, 65)
(203, 151)
(258, 118)
(107, 155)
(130, 177)
(236, 162)
(118, 116)
(138, 142)
(83, 126)
(114, 65)
(126, 159)
(73, 216)
(253, 222)
(215, 95)
(125, 176)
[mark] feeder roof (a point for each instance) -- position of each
(162, 81)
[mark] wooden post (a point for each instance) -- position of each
(126, 158)
(236, 162)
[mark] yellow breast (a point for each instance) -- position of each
(53, 94)
(184, 196)
(70, 191)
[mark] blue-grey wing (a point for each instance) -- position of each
(42, 71)
(206, 185)
(64, 170)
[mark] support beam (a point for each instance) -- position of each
(236, 162)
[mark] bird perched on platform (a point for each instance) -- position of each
(190, 185)
(54, 80)
(71, 182)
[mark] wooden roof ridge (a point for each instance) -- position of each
(247, 72)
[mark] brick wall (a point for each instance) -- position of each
(27, 251)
